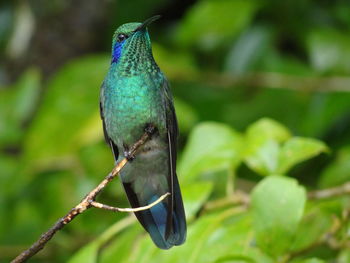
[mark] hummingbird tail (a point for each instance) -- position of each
(166, 225)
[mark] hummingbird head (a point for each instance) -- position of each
(131, 45)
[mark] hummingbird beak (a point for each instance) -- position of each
(147, 22)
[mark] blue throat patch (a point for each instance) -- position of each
(117, 51)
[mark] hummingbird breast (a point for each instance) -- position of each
(130, 103)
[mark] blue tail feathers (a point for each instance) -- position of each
(155, 221)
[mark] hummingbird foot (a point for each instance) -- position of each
(150, 129)
(128, 154)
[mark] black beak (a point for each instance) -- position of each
(147, 22)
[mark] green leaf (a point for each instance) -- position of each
(247, 50)
(211, 146)
(265, 129)
(277, 206)
(344, 256)
(275, 61)
(338, 172)
(309, 260)
(262, 145)
(316, 222)
(90, 131)
(186, 115)
(264, 160)
(235, 259)
(194, 195)
(97, 161)
(9, 168)
(175, 63)
(17, 103)
(90, 252)
(121, 247)
(208, 23)
(329, 50)
(209, 238)
(26, 96)
(86, 255)
(298, 149)
(71, 100)
(264, 153)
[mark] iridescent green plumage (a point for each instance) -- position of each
(135, 94)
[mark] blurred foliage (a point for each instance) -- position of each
(274, 142)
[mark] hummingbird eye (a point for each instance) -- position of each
(121, 37)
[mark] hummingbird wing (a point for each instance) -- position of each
(176, 220)
(108, 140)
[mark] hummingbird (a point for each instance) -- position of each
(135, 96)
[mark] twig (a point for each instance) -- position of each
(330, 192)
(278, 81)
(118, 209)
(89, 201)
(271, 80)
(240, 197)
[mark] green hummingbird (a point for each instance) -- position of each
(134, 96)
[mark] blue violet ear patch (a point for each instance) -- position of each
(117, 51)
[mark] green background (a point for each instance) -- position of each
(262, 95)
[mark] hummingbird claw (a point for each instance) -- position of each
(150, 129)
(127, 153)
(129, 156)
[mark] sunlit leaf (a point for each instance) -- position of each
(209, 238)
(208, 24)
(194, 195)
(338, 172)
(175, 64)
(235, 259)
(90, 131)
(17, 103)
(344, 256)
(308, 260)
(71, 99)
(329, 50)
(298, 149)
(86, 255)
(265, 129)
(120, 249)
(277, 206)
(90, 252)
(264, 160)
(262, 145)
(211, 146)
(313, 226)
(186, 115)
(247, 50)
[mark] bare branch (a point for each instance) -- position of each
(128, 210)
(272, 80)
(88, 202)
(330, 192)
(240, 197)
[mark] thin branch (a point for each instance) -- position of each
(330, 192)
(271, 80)
(240, 197)
(328, 238)
(128, 210)
(88, 202)
(286, 81)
